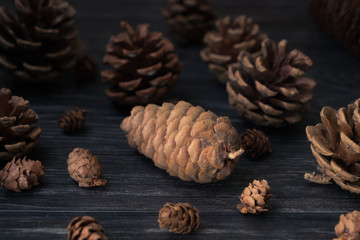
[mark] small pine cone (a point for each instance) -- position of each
(187, 141)
(254, 199)
(17, 137)
(339, 18)
(224, 45)
(86, 68)
(179, 217)
(72, 120)
(255, 143)
(85, 228)
(348, 227)
(145, 66)
(271, 89)
(85, 168)
(40, 41)
(21, 174)
(189, 20)
(335, 145)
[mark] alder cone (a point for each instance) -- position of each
(335, 143)
(348, 227)
(179, 218)
(339, 18)
(187, 141)
(145, 66)
(40, 41)
(85, 228)
(224, 45)
(17, 136)
(189, 20)
(271, 89)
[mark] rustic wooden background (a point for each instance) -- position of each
(128, 205)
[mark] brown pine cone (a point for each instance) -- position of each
(86, 68)
(85, 228)
(21, 174)
(224, 45)
(72, 120)
(40, 41)
(254, 199)
(85, 168)
(179, 218)
(145, 66)
(271, 89)
(187, 141)
(189, 20)
(255, 143)
(339, 18)
(335, 145)
(348, 227)
(17, 137)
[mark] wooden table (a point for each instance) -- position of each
(128, 205)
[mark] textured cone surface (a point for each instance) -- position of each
(254, 199)
(145, 66)
(189, 20)
(348, 227)
(339, 18)
(271, 89)
(255, 143)
(72, 120)
(85, 228)
(40, 41)
(85, 168)
(86, 68)
(225, 44)
(187, 141)
(17, 137)
(179, 218)
(21, 174)
(335, 143)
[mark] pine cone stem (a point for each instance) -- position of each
(319, 178)
(238, 153)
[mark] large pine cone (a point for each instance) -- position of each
(187, 141)
(40, 42)
(145, 66)
(189, 20)
(85, 228)
(179, 217)
(335, 144)
(348, 227)
(271, 89)
(339, 18)
(224, 45)
(17, 137)
(21, 174)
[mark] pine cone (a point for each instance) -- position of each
(85, 168)
(179, 217)
(339, 18)
(189, 20)
(72, 120)
(348, 227)
(17, 138)
(224, 45)
(335, 145)
(86, 68)
(271, 89)
(21, 174)
(255, 143)
(146, 66)
(254, 199)
(40, 42)
(85, 228)
(184, 140)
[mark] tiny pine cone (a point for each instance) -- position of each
(86, 68)
(348, 227)
(255, 143)
(85, 228)
(72, 120)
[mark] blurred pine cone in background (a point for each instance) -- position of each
(339, 18)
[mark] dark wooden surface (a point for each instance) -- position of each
(128, 205)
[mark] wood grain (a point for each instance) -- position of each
(128, 205)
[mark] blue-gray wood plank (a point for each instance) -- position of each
(128, 205)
